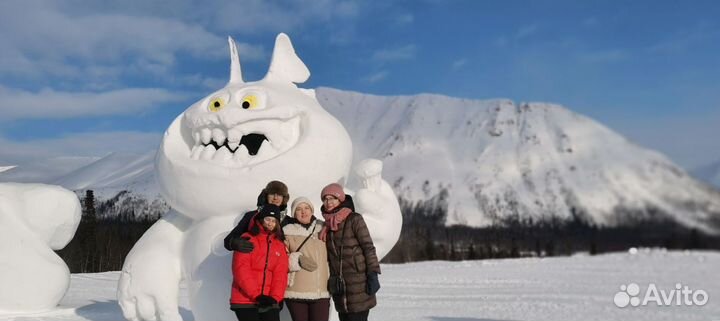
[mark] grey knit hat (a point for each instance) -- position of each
(297, 203)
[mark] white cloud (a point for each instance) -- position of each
(48, 103)
(199, 81)
(400, 53)
(260, 15)
(40, 40)
(457, 64)
(685, 40)
(604, 56)
(378, 76)
(247, 17)
(405, 19)
(78, 145)
(526, 31)
(520, 34)
(591, 22)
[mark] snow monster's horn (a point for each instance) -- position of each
(286, 66)
(235, 71)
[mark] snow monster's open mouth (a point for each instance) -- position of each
(250, 141)
(247, 143)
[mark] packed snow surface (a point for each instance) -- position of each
(563, 288)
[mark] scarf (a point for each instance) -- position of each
(333, 221)
(292, 220)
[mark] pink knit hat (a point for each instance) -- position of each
(334, 190)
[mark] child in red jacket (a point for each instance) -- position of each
(260, 277)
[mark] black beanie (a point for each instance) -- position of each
(269, 210)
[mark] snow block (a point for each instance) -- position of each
(35, 219)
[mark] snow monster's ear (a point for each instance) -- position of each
(286, 66)
(235, 71)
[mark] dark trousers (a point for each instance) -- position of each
(309, 310)
(252, 314)
(357, 316)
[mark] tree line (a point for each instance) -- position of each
(102, 241)
(425, 237)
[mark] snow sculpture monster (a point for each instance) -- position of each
(214, 160)
(35, 219)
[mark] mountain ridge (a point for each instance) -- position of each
(483, 161)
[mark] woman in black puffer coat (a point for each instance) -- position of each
(351, 254)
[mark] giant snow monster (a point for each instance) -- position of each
(35, 219)
(215, 159)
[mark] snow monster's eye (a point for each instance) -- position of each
(216, 104)
(250, 102)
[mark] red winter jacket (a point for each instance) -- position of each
(266, 268)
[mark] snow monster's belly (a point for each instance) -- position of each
(207, 268)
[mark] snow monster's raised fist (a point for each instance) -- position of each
(378, 205)
(214, 160)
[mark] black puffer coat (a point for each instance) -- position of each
(358, 258)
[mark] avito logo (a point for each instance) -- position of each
(679, 296)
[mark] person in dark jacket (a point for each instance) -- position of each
(351, 255)
(260, 277)
(276, 193)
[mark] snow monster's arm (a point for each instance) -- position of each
(378, 205)
(150, 278)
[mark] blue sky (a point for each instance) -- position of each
(89, 77)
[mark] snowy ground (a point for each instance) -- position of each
(566, 288)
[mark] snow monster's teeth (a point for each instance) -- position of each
(233, 145)
(196, 151)
(241, 154)
(206, 135)
(234, 135)
(248, 143)
(223, 154)
(218, 135)
(208, 152)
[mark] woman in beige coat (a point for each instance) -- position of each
(307, 297)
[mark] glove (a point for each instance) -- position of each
(241, 245)
(294, 258)
(291, 278)
(373, 284)
(265, 301)
(308, 264)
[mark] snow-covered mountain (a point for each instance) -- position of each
(113, 173)
(498, 159)
(43, 170)
(484, 160)
(106, 176)
(123, 184)
(709, 173)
